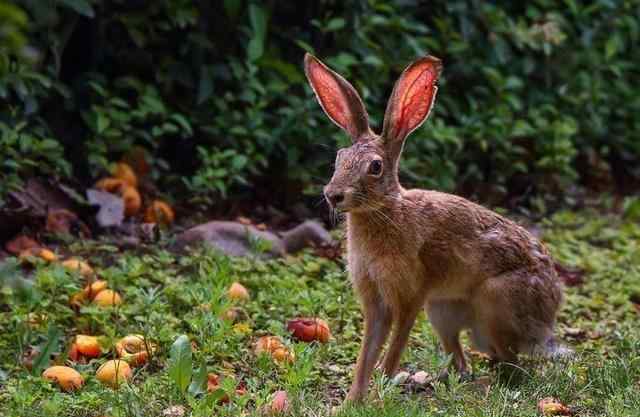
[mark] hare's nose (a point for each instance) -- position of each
(334, 198)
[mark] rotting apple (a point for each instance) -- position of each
(114, 372)
(45, 254)
(107, 298)
(132, 200)
(67, 378)
(159, 212)
(273, 346)
(124, 172)
(79, 266)
(135, 349)
(308, 329)
(87, 346)
(279, 402)
(238, 292)
(109, 185)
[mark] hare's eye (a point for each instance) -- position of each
(375, 167)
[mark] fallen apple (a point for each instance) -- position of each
(107, 298)
(309, 329)
(110, 185)
(282, 355)
(129, 194)
(234, 314)
(114, 372)
(159, 212)
(48, 255)
(45, 254)
(79, 266)
(68, 378)
(87, 346)
(125, 173)
(238, 292)
(273, 346)
(132, 200)
(74, 355)
(552, 407)
(279, 402)
(76, 300)
(91, 290)
(134, 349)
(88, 293)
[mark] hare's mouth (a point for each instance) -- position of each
(340, 206)
(346, 206)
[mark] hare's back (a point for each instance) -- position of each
(470, 237)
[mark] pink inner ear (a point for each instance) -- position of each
(416, 91)
(329, 93)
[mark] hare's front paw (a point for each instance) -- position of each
(352, 399)
(354, 396)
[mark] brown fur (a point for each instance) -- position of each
(467, 266)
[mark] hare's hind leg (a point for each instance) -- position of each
(448, 318)
(515, 313)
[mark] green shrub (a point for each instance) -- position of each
(27, 150)
(117, 125)
(527, 87)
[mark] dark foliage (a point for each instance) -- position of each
(535, 96)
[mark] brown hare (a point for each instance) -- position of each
(467, 266)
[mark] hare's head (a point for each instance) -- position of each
(366, 173)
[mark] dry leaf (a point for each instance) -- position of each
(111, 208)
(62, 221)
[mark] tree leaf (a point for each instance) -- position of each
(258, 19)
(102, 122)
(82, 7)
(334, 24)
(205, 86)
(183, 122)
(180, 363)
(232, 7)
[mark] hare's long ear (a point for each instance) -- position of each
(339, 100)
(410, 102)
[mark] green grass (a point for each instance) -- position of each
(167, 295)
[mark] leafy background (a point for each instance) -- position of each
(536, 97)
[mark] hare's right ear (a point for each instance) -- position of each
(339, 100)
(410, 102)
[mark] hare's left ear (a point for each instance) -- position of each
(411, 101)
(339, 100)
